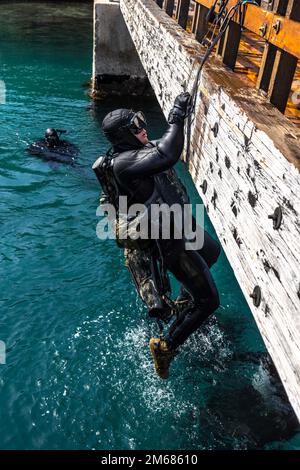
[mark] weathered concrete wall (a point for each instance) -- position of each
(251, 164)
(117, 68)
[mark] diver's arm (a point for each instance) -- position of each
(35, 147)
(148, 162)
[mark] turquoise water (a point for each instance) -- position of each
(78, 373)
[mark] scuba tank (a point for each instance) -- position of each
(124, 226)
(103, 168)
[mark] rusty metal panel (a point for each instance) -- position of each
(169, 7)
(282, 32)
(288, 36)
(231, 44)
(182, 12)
(256, 17)
(201, 25)
(266, 68)
(282, 78)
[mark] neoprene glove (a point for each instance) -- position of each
(178, 112)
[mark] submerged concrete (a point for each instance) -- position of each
(117, 69)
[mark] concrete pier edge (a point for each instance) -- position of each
(117, 69)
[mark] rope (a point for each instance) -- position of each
(224, 23)
(217, 19)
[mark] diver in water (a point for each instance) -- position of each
(140, 170)
(53, 148)
(52, 138)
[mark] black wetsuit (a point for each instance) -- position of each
(136, 170)
(62, 152)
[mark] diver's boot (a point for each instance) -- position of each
(162, 356)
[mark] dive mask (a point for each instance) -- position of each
(137, 123)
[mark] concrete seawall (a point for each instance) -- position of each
(117, 68)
